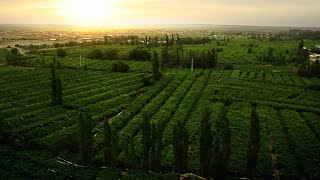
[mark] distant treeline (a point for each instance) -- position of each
(294, 34)
(177, 56)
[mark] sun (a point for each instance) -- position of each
(89, 12)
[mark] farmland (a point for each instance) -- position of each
(265, 119)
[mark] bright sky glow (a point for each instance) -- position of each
(86, 12)
(131, 12)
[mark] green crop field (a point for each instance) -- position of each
(264, 119)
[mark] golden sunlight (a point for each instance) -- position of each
(89, 12)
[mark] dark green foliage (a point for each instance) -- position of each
(172, 40)
(131, 159)
(206, 138)
(167, 40)
(254, 144)
(23, 164)
(249, 50)
(309, 69)
(59, 91)
(86, 138)
(302, 54)
(156, 148)
(110, 145)
(176, 56)
(314, 87)
(221, 148)
(109, 174)
(219, 49)
(56, 86)
(180, 148)
(85, 67)
(12, 57)
(1, 130)
(61, 53)
(146, 142)
(228, 67)
(147, 81)
(301, 45)
(111, 54)
(120, 67)
(59, 65)
(156, 70)
(14, 51)
(72, 44)
(139, 54)
(273, 59)
(315, 50)
(194, 40)
(96, 54)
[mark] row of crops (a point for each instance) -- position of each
(262, 128)
(27, 106)
(18, 164)
(90, 64)
(234, 51)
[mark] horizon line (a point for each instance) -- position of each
(160, 24)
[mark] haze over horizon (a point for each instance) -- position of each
(298, 13)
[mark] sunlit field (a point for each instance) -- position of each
(143, 89)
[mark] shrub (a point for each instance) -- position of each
(309, 69)
(228, 67)
(14, 51)
(61, 53)
(147, 81)
(95, 54)
(219, 49)
(139, 54)
(120, 67)
(111, 54)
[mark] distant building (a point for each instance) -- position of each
(314, 57)
(86, 39)
(100, 39)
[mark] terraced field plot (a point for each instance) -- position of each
(273, 119)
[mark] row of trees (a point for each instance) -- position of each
(306, 68)
(138, 54)
(56, 85)
(176, 56)
(12, 57)
(309, 69)
(271, 58)
(301, 56)
(292, 34)
(213, 145)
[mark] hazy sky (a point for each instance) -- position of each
(112, 12)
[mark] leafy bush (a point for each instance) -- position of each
(111, 54)
(61, 53)
(96, 54)
(139, 54)
(309, 69)
(147, 81)
(228, 67)
(219, 49)
(14, 51)
(120, 67)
